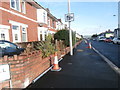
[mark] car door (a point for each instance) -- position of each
(118, 40)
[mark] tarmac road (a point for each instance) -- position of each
(85, 69)
(109, 50)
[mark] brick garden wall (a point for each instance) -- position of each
(25, 68)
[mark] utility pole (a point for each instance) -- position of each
(70, 32)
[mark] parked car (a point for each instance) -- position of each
(9, 48)
(116, 40)
(101, 39)
(108, 40)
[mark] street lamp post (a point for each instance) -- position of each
(117, 32)
(70, 32)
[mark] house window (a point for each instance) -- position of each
(15, 27)
(12, 3)
(16, 36)
(16, 33)
(15, 4)
(53, 23)
(44, 17)
(48, 21)
(40, 37)
(24, 35)
(23, 7)
(2, 36)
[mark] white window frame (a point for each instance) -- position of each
(18, 24)
(15, 5)
(48, 21)
(43, 31)
(16, 32)
(25, 33)
(4, 29)
(44, 17)
(24, 5)
(1, 36)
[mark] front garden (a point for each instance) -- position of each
(36, 59)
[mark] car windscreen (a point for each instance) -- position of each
(7, 45)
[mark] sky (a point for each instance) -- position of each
(90, 18)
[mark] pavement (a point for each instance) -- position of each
(85, 69)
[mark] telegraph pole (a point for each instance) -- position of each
(70, 32)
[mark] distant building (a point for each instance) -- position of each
(78, 36)
(107, 34)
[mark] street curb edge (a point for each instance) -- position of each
(113, 66)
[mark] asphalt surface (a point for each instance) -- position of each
(109, 50)
(85, 69)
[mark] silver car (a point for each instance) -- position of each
(116, 40)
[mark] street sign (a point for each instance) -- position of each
(4, 72)
(69, 17)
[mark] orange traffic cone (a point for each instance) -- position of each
(56, 66)
(89, 45)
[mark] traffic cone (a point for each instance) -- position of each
(89, 45)
(55, 65)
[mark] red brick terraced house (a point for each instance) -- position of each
(25, 21)
(47, 23)
(19, 20)
(52, 22)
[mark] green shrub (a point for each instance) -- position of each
(47, 48)
(64, 35)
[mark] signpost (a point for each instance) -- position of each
(68, 18)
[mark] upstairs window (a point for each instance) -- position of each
(44, 18)
(23, 7)
(15, 4)
(48, 21)
(53, 24)
(12, 3)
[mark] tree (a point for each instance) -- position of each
(94, 35)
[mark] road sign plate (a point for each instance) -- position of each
(69, 17)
